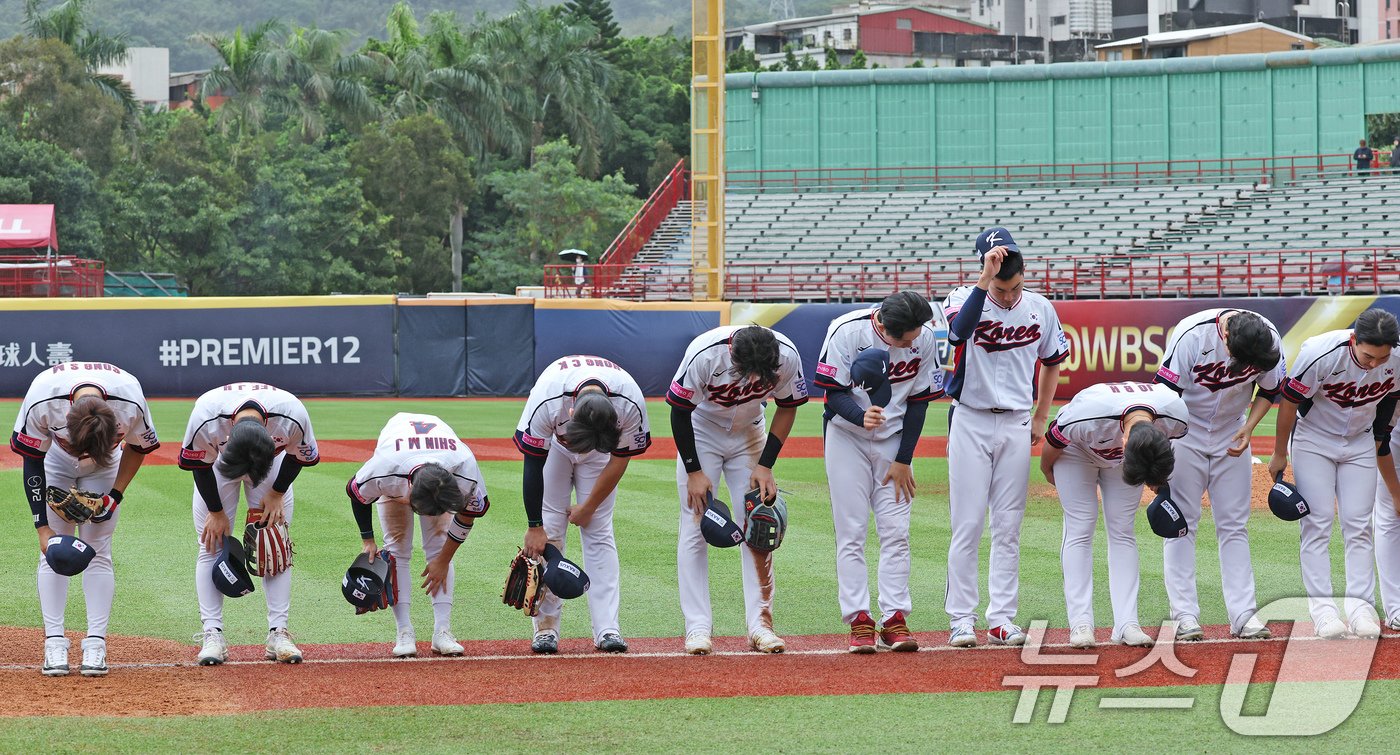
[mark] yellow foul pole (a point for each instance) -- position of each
(707, 150)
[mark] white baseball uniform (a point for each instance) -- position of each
(1334, 465)
(858, 459)
(205, 436)
(1197, 365)
(1090, 430)
(569, 475)
(407, 442)
(992, 384)
(730, 433)
(41, 432)
(1387, 533)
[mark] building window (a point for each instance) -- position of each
(903, 23)
(1058, 20)
(1115, 54)
(826, 35)
(846, 34)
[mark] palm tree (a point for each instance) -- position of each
(67, 22)
(250, 69)
(322, 75)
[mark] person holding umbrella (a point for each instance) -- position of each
(577, 256)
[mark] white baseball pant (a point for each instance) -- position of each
(62, 470)
(1079, 483)
(1200, 468)
(568, 477)
(277, 590)
(1337, 477)
(731, 454)
(989, 467)
(855, 467)
(397, 520)
(1387, 534)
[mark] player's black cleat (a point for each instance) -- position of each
(612, 643)
(545, 643)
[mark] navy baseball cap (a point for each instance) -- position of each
(562, 576)
(364, 583)
(231, 570)
(67, 555)
(718, 527)
(870, 370)
(992, 238)
(1286, 502)
(1164, 516)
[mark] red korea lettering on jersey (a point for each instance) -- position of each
(1109, 454)
(1216, 376)
(902, 371)
(734, 394)
(1348, 395)
(994, 336)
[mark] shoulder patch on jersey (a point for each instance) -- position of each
(1168, 374)
(681, 391)
(28, 440)
(826, 369)
(1297, 385)
(531, 440)
(190, 454)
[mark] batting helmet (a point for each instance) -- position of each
(765, 522)
(717, 527)
(1165, 517)
(363, 583)
(231, 570)
(562, 576)
(1285, 500)
(67, 555)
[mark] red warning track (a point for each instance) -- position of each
(159, 678)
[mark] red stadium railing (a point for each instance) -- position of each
(50, 276)
(673, 189)
(1272, 169)
(1148, 275)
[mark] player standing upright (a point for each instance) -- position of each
(1213, 360)
(1336, 410)
(1001, 331)
(717, 399)
(1110, 439)
(236, 436)
(869, 436)
(420, 467)
(585, 419)
(70, 431)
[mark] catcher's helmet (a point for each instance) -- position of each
(364, 582)
(1285, 500)
(231, 570)
(1165, 517)
(765, 522)
(67, 555)
(562, 576)
(717, 527)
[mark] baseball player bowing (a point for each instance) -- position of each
(717, 399)
(1000, 332)
(420, 467)
(869, 434)
(586, 418)
(70, 431)
(1336, 409)
(1110, 439)
(254, 439)
(1387, 527)
(1223, 362)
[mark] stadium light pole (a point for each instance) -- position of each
(707, 150)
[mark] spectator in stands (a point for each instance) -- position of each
(1395, 156)
(1363, 156)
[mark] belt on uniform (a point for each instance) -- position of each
(998, 411)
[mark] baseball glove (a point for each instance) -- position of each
(765, 522)
(524, 585)
(268, 547)
(78, 506)
(390, 595)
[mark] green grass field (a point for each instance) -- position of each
(155, 550)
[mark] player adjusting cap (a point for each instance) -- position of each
(870, 370)
(1165, 517)
(992, 238)
(231, 570)
(562, 576)
(1285, 500)
(363, 583)
(67, 555)
(718, 527)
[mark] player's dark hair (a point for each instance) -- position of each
(434, 491)
(92, 429)
(1012, 265)
(1147, 456)
(249, 451)
(593, 426)
(755, 352)
(904, 311)
(1377, 327)
(1250, 342)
